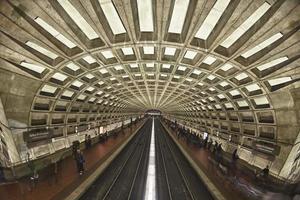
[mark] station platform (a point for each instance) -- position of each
(67, 178)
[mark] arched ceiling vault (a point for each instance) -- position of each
(223, 64)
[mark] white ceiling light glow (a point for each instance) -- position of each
(212, 19)
(78, 19)
(178, 16)
(41, 50)
(246, 25)
(145, 14)
(272, 63)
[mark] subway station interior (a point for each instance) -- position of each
(149, 99)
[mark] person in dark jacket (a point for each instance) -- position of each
(80, 162)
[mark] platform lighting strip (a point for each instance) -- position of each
(78, 19)
(212, 19)
(42, 50)
(33, 67)
(54, 33)
(246, 25)
(145, 14)
(178, 16)
(150, 193)
(112, 17)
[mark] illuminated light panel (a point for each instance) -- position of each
(103, 71)
(77, 83)
(33, 67)
(262, 45)
(196, 71)
(190, 55)
(170, 51)
(138, 75)
(42, 50)
(212, 19)
(90, 89)
(178, 16)
(92, 99)
(99, 93)
(49, 89)
(73, 67)
(224, 84)
(175, 76)
(234, 93)
(209, 60)
(67, 93)
(59, 76)
(125, 76)
(118, 67)
(221, 96)
(112, 17)
(211, 99)
(89, 76)
(100, 82)
(107, 54)
(252, 87)
(218, 106)
(241, 76)
(211, 77)
(112, 78)
(78, 19)
(201, 84)
(100, 101)
(226, 67)
(148, 50)
(242, 103)
(150, 65)
(246, 25)
(228, 105)
(189, 79)
(54, 33)
(163, 75)
(272, 63)
(81, 97)
(166, 66)
(89, 59)
(212, 89)
(133, 65)
(278, 81)
(145, 14)
(127, 51)
(261, 100)
(181, 68)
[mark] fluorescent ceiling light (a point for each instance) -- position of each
(49, 89)
(54, 33)
(73, 67)
(166, 66)
(262, 45)
(103, 71)
(190, 54)
(246, 25)
(118, 67)
(125, 76)
(77, 83)
(107, 95)
(107, 54)
(145, 14)
(100, 82)
(137, 75)
(211, 77)
(234, 93)
(150, 65)
(151, 74)
(242, 103)
(127, 51)
(170, 51)
(181, 68)
(209, 60)
(272, 63)
(226, 67)
(78, 19)
(59, 76)
(212, 19)
(148, 50)
(261, 100)
(112, 17)
(178, 16)
(211, 99)
(90, 76)
(175, 76)
(201, 84)
(67, 93)
(278, 81)
(133, 65)
(92, 99)
(100, 101)
(218, 106)
(252, 87)
(112, 78)
(241, 76)
(221, 96)
(81, 97)
(224, 84)
(33, 67)
(99, 93)
(228, 105)
(212, 89)
(164, 75)
(90, 89)
(189, 79)
(196, 71)
(42, 50)
(89, 59)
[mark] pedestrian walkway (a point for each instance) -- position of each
(68, 178)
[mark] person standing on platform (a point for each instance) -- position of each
(80, 162)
